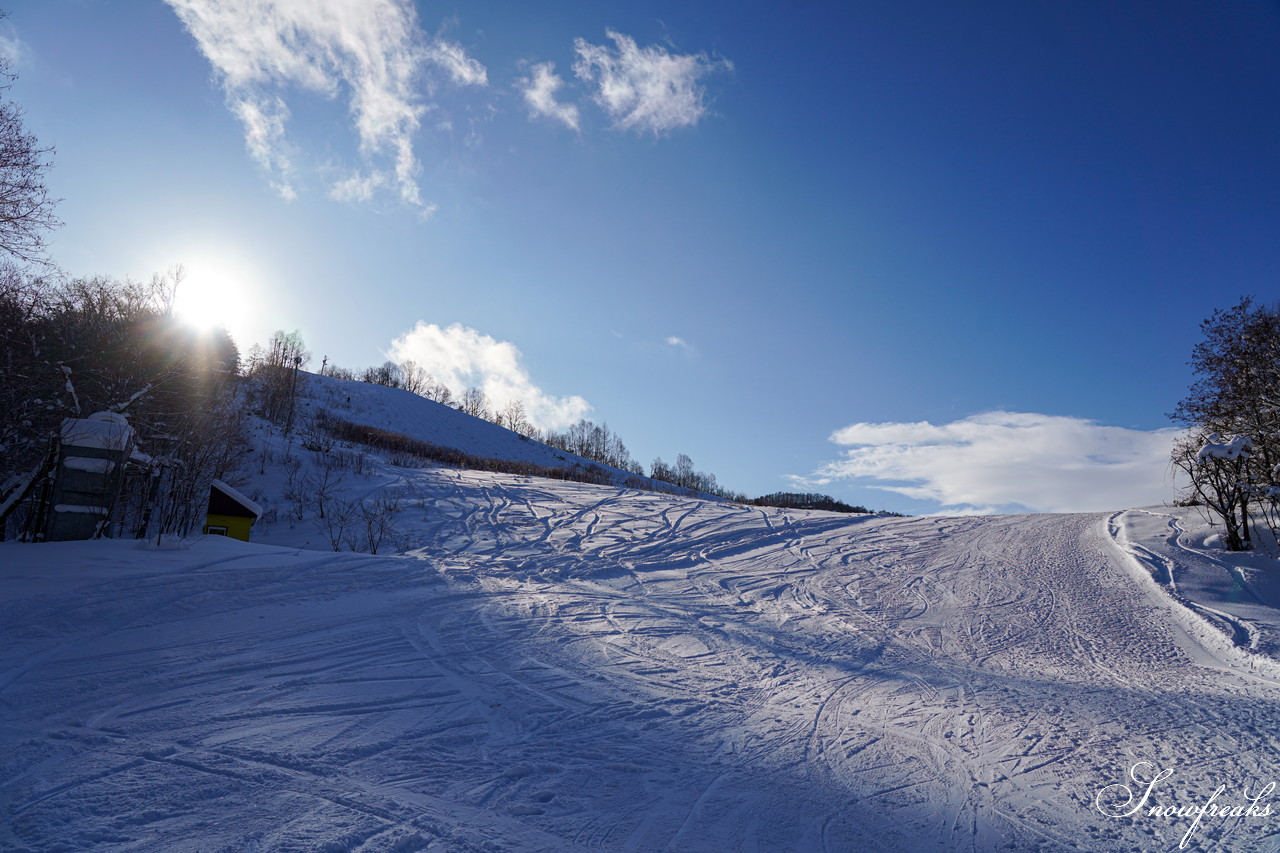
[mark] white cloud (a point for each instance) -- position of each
(461, 357)
(645, 88)
(264, 120)
(13, 49)
(540, 95)
(371, 52)
(359, 187)
(463, 70)
(1007, 460)
(680, 344)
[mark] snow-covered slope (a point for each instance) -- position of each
(557, 666)
(1232, 600)
(399, 411)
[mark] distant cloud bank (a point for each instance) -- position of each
(371, 52)
(461, 357)
(1006, 461)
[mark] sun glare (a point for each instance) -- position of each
(212, 296)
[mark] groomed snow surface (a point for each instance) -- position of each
(555, 666)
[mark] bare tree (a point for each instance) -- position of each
(388, 373)
(1216, 473)
(593, 441)
(1237, 390)
(1231, 456)
(438, 391)
(684, 471)
(324, 483)
(26, 210)
(414, 378)
(25, 381)
(274, 370)
(335, 523)
(373, 522)
(474, 402)
(513, 417)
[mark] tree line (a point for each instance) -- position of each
(809, 500)
(71, 347)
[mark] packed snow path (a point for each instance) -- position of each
(564, 667)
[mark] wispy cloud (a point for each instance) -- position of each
(13, 49)
(372, 52)
(264, 119)
(539, 90)
(461, 357)
(1007, 461)
(646, 89)
(451, 58)
(680, 344)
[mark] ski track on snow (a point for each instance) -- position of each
(555, 666)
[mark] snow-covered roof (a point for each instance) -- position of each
(102, 430)
(231, 492)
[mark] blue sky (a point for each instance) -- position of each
(916, 255)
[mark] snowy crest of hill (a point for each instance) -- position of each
(399, 411)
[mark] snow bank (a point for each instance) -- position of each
(1228, 604)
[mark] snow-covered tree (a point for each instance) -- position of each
(1217, 476)
(1231, 452)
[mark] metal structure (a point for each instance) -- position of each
(92, 454)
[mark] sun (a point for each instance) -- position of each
(212, 296)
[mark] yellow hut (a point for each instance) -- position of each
(230, 513)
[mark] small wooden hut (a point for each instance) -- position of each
(230, 513)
